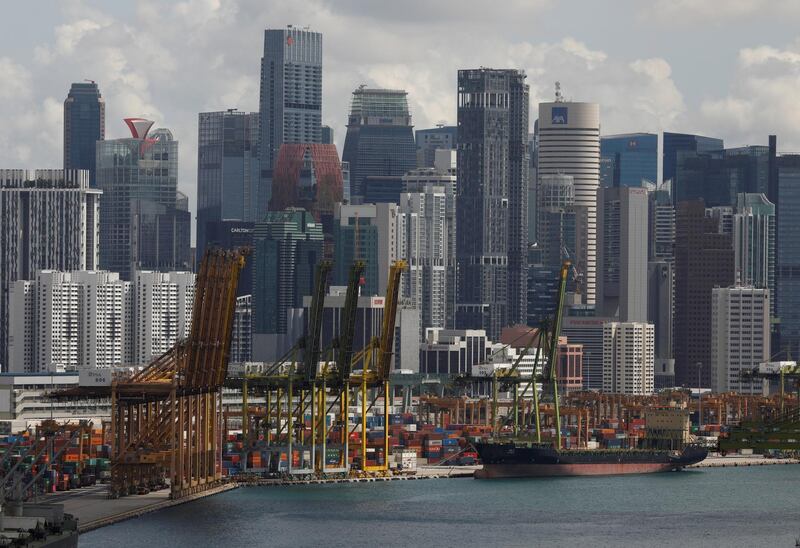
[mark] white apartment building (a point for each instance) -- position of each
(66, 321)
(163, 312)
(740, 337)
(628, 358)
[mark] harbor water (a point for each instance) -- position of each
(701, 507)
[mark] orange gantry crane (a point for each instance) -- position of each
(165, 418)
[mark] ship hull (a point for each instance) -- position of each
(492, 471)
(514, 460)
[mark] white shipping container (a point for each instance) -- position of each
(411, 427)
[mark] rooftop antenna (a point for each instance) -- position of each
(559, 96)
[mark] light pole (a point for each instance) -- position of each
(699, 398)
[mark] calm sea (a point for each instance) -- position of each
(709, 507)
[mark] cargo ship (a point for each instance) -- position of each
(517, 459)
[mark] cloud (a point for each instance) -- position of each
(713, 12)
(762, 99)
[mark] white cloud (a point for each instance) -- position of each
(762, 99)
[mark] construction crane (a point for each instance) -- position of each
(375, 369)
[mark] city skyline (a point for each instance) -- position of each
(132, 52)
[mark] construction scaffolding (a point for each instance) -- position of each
(165, 423)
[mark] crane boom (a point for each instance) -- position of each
(344, 356)
(386, 342)
(311, 353)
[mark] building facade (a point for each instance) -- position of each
(84, 125)
(787, 297)
(288, 245)
(380, 137)
(49, 219)
(163, 306)
(290, 103)
(633, 159)
(622, 221)
(367, 233)
(740, 337)
(754, 239)
(94, 320)
(628, 361)
(228, 170)
(704, 259)
(308, 176)
(492, 199)
(673, 143)
(428, 141)
(145, 223)
(569, 144)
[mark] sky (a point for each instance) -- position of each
(723, 68)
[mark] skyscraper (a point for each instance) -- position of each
(291, 97)
(227, 170)
(380, 137)
(740, 337)
(441, 178)
(433, 139)
(569, 144)
(675, 142)
(661, 227)
(788, 256)
(492, 199)
(48, 220)
(704, 259)
(84, 125)
(718, 176)
(308, 176)
(754, 242)
(628, 366)
(288, 245)
(145, 223)
(71, 320)
(633, 157)
(162, 312)
(557, 219)
(622, 221)
(366, 232)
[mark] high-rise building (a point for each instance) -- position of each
(673, 143)
(70, 320)
(660, 306)
(327, 135)
(719, 176)
(291, 96)
(492, 199)
(628, 366)
(242, 333)
(588, 332)
(232, 235)
(428, 141)
(569, 144)
(367, 233)
(163, 306)
(48, 220)
(308, 176)
(227, 170)
(661, 228)
(557, 217)
(622, 221)
(380, 137)
(288, 245)
(787, 296)
(84, 125)
(633, 157)
(425, 227)
(145, 223)
(704, 259)
(740, 337)
(754, 243)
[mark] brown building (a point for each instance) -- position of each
(704, 259)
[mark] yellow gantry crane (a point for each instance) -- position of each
(376, 359)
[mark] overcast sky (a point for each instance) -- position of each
(724, 68)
